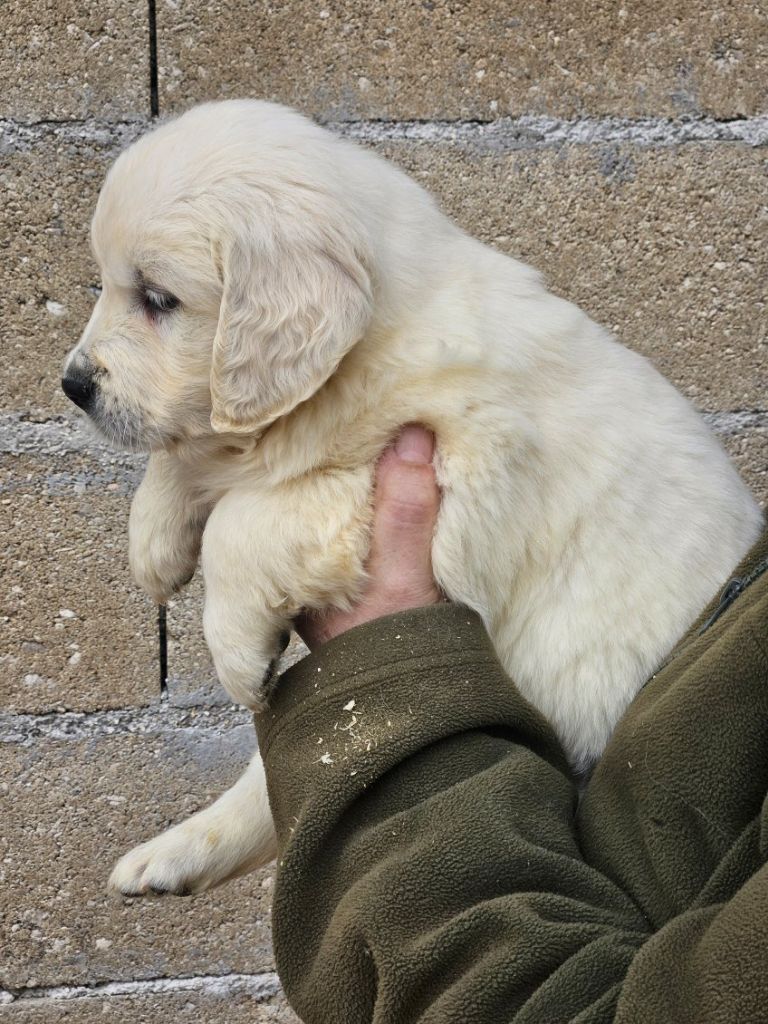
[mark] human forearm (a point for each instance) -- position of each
(428, 865)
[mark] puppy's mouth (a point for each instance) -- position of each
(121, 429)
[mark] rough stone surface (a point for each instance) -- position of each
(667, 247)
(441, 59)
(201, 1007)
(50, 179)
(76, 632)
(531, 131)
(70, 809)
(90, 59)
(747, 444)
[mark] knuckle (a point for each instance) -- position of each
(409, 511)
(412, 497)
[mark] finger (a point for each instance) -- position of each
(406, 494)
(399, 564)
(415, 444)
(406, 506)
(406, 489)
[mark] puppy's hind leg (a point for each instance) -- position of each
(233, 836)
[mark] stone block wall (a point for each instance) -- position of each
(619, 147)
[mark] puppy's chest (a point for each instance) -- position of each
(232, 467)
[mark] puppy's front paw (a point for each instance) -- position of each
(162, 562)
(183, 861)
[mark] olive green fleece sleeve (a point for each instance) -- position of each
(428, 867)
(432, 869)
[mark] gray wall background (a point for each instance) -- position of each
(620, 148)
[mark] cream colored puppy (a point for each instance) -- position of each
(276, 303)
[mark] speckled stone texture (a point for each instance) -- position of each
(748, 447)
(441, 59)
(71, 808)
(212, 1003)
(50, 178)
(70, 59)
(76, 632)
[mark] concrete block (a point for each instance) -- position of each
(73, 806)
(745, 436)
(209, 1004)
(69, 59)
(50, 178)
(478, 60)
(76, 632)
(665, 246)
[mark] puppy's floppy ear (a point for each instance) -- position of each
(296, 298)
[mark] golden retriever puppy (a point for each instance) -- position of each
(276, 303)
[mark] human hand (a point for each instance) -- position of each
(406, 502)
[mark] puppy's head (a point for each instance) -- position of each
(234, 277)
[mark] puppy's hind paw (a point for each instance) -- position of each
(272, 674)
(181, 861)
(248, 676)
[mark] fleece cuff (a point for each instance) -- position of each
(380, 692)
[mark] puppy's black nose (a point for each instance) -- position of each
(79, 388)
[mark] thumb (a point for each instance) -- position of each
(406, 506)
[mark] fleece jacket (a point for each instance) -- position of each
(437, 863)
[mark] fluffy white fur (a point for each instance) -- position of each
(588, 514)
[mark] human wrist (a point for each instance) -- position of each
(319, 628)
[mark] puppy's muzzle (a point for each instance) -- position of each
(80, 388)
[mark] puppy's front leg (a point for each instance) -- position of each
(267, 554)
(165, 528)
(233, 836)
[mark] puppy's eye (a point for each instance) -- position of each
(156, 303)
